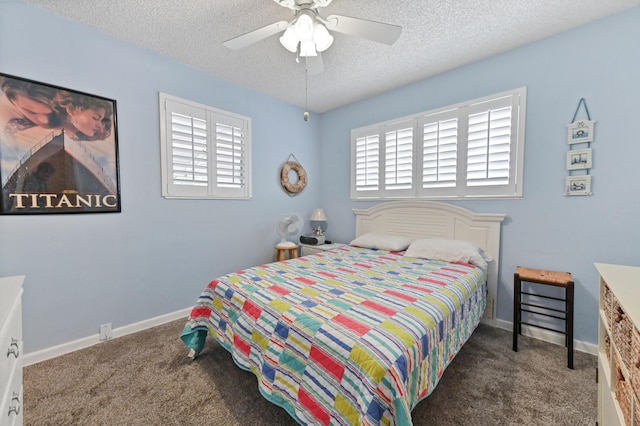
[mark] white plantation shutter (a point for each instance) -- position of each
(491, 147)
(230, 153)
(440, 151)
(470, 150)
(205, 152)
(398, 163)
(488, 144)
(189, 150)
(367, 162)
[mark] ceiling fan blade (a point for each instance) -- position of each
(315, 64)
(254, 36)
(371, 30)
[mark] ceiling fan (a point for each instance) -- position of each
(308, 33)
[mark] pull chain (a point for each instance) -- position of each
(306, 93)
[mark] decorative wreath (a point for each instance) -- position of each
(293, 188)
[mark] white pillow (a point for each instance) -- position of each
(381, 241)
(449, 251)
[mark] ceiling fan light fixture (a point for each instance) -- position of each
(290, 40)
(321, 37)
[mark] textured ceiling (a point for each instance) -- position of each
(437, 35)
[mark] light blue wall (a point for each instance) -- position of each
(544, 229)
(157, 255)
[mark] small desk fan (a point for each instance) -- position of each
(288, 226)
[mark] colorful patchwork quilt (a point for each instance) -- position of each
(349, 336)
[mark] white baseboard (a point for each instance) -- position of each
(45, 354)
(55, 351)
(548, 336)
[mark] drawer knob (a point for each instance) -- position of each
(14, 348)
(14, 408)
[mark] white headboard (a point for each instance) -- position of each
(428, 219)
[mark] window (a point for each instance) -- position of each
(469, 150)
(206, 153)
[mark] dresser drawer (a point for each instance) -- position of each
(11, 405)
(11, 342)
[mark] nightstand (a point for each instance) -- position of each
(526, 298)
(307, 249)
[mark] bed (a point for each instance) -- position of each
(361, 333)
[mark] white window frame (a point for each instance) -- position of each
(510, 185)
(236, 139)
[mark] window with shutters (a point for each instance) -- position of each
(474, 149)
(206, 153)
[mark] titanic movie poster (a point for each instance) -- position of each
(58, 150)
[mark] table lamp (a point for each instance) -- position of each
(318, 222)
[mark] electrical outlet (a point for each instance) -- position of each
(105, 332)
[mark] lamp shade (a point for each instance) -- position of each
(304, 26)
(318, 222)
(308, 48)
(321, 37)
(290, 40)
(318, 215)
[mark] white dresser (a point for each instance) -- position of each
(619, 345)
(11, 351)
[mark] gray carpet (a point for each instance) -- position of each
(147, 379)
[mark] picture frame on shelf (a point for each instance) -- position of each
(579, 159)
(59, 150)
(578, 185)
(580, 131)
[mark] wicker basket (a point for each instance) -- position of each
(623, 394)
(607, 345)
(636, 413)
(622, 330)
(635, 367)
(607, 303)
